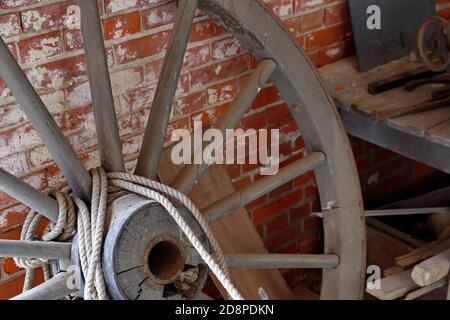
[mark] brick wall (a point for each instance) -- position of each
(39, 34)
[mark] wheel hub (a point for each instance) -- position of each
(146, 255)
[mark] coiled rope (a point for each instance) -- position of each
(90, 225)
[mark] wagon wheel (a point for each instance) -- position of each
(433, 43)
(281, 60)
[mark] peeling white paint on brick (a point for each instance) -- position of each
(40, 156)
(33, 19)
(155, 19)
(54, 101)
(119, 5)
(214, 96)
(9, 28)
(4, 219)
(15, 163)
(48, 47)
(40, 75)
(218, 70)
(334, 52)
(5, 93)
(124, 54)
(70, 40)
(125, 80)
(118, 33)
(314, 3)
(79, 96)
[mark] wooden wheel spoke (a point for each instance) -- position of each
(23, 192)
(398, 212)
(109, 144)
(44, 124)
(227, 205)
(35, 249)
(150, 155)
(53, 289)
(282, 261)
(190, 174)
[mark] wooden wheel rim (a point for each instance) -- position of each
(263, 35)
(316, 115)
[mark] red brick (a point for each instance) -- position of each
(298, 213)
(141, 47)
(14, 286)
(222, 92)
(17, 3)
(121, 26)
(337, 14)
(266, 96)
(278, 114)
(191, 103)
(73, 40)
(311, 21)
(9, 25)
(10, 267)
(43, 18)
(155, 17)
(226, 48)
(328, 36)
(196, 57)
(276, 224)
(40, 47)
(58, 73)
(205, 29)
(284, 202)
(230, 68)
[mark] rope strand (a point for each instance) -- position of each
(90, 225)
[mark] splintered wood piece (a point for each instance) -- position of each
(432, 270)
(425, 290)
(392, 270)
(422, 253)
(394, 287)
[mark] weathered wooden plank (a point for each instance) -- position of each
(376, 107)
(422, 253)
(392, 270)
(394, 287)
(425, 290)
(347, 85)
(236, 233)
(432, 270)
(417, 124)
(440, 133)
(349, 88)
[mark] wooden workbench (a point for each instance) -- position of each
(424, 137)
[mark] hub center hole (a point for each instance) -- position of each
(165, 260)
